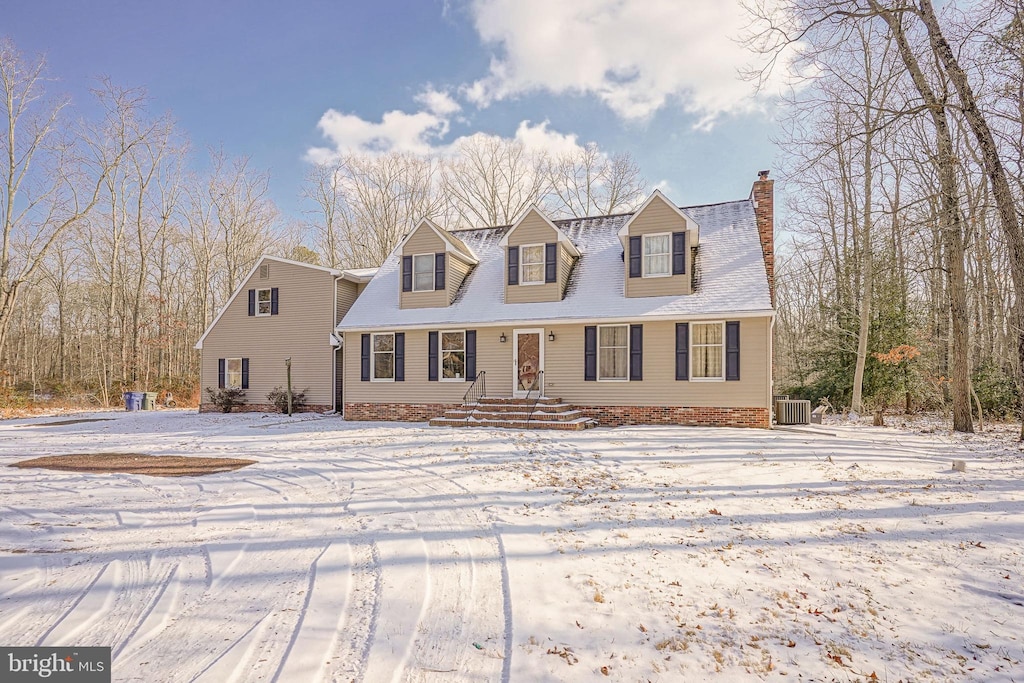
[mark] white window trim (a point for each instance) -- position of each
(707, 379)
(433, 272)
(269, 301)
(373, 357)
(440, 355)
(522, 265)
(227, 374)
(613, 379)
(643, 255)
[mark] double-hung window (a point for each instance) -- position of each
(707, 351)
(263, 302)
(233, 373)
(613, 352)
(531, 264)
(423, 272)
(657, 255)
(453, 356)
(383, 348)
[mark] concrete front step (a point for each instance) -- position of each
(517, 413)
(519, 407)
(502, 400)
(574, 425)
(479, 414)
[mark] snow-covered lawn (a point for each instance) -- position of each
(383, 552)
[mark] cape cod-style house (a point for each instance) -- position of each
(662, 315)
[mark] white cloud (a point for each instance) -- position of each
(397, 131)
(422, 132)
(438, 102)
(634, 55)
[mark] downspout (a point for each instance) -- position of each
(771, 368)
(334, 351)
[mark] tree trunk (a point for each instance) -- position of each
(1001, 192)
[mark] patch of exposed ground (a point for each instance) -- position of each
(63, 423)
(136, 463)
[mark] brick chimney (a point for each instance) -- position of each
(763, 197)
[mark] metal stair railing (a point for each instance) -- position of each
(476, 390)
(539, 385)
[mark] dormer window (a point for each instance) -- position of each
(658, 255)
(423, 272)
(531, 264)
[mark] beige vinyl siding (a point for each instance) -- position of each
(563, 370)
(423, 241)
(565, 264)
(657, 217)
(532, 230)
(300, 330)
(492, 356)
(456, 270)
(347, 294)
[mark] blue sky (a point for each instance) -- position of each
(286, 82)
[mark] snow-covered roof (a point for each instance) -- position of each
(359, 274)
(730, 278)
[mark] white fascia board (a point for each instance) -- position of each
(561, 236)
(691, 225)
(681, 317)
(358, 279)
(332, 271)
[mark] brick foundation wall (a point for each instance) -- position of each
(264, 408)
(607, 416)
(618, 416)
(395, 412)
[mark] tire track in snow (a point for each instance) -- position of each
(463, 606)
(323, 616)
(91, 605)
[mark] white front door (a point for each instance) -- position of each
(527, 362)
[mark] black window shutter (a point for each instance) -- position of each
(590, 353)
(431, 356)
(220, 373)
(679, 253)
(470, 355)
(732, 350)
(551, 262)
(513, 265)
(364, 358)
(682, 351)
(252, 302)
(399, 356)
(439, 271)
(407, 273)
(245, 373)
(273, 301)
(636, 353)
(634, 257)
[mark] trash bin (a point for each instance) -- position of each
(149, 400)
(133, 400)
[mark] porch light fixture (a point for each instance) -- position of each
(502, 338)
(551, 336)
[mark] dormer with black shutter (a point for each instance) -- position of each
(658, 243)
(433, 265)
(538, 259)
